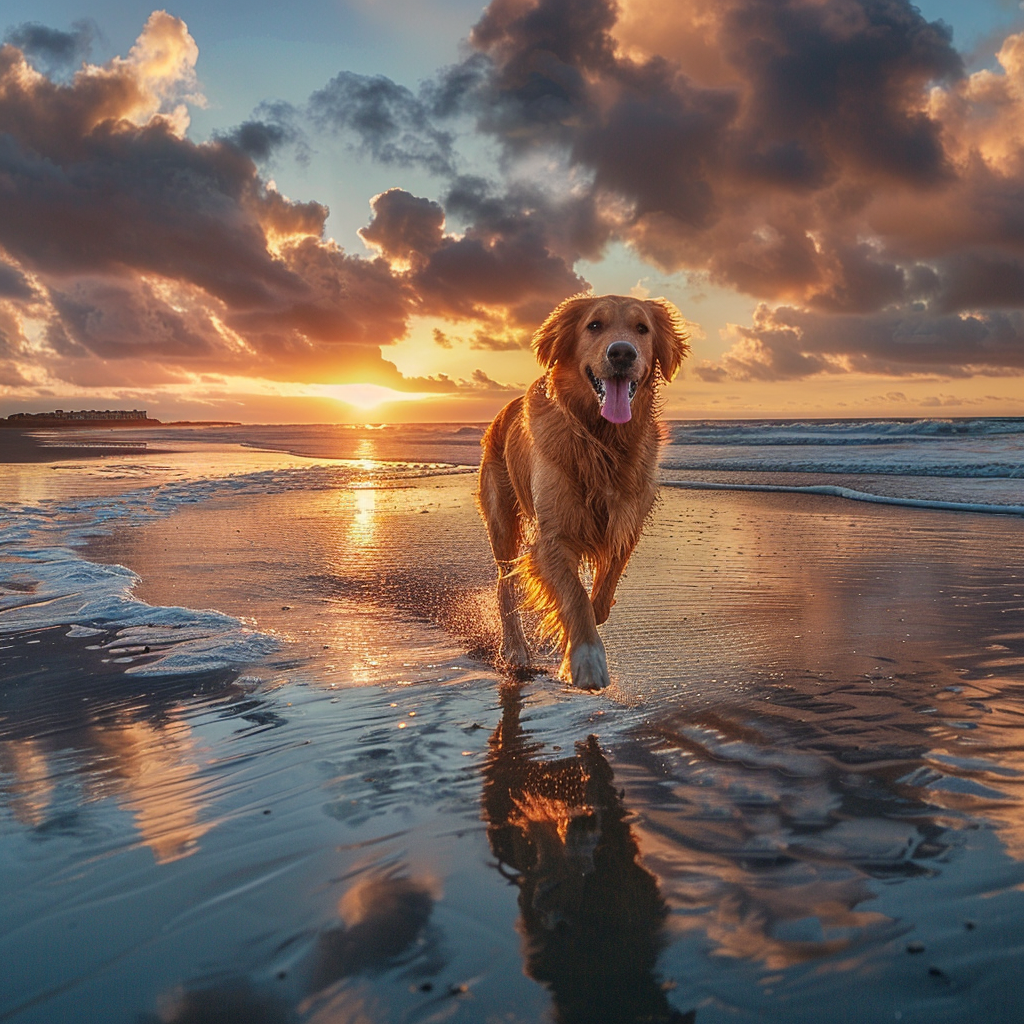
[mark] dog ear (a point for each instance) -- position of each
(556, 337)
(670, 337)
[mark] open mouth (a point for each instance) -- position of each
(614, 395)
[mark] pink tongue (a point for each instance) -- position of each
(616, 403)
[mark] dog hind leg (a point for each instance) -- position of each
(500, 511)
(606, 579)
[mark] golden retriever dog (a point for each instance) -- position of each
(568, 474)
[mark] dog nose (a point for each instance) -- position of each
(621, 355)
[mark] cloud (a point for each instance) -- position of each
(51, 49)
(481, 380)
(258, 139)
(404, 227)
(787, 343)
(390, 122)
(147, 255)
(14, 284)
(501, 269)
(148, 249)
(733, 176)
(833, 159)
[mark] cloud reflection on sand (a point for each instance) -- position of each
(788, 828)
(30, 787)
(156, 776)
(106, 746)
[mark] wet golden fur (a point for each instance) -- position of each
(561, 487)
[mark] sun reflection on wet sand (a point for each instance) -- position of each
(363, 529)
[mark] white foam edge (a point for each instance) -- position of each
(92, 599)
(833, 491)
(89, 598)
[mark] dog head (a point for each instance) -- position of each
(612, 346)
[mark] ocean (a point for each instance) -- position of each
(968, 465)
(256, 763)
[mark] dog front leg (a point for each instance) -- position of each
(584, 658)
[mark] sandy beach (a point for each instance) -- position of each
(18, 446)
(800, 796)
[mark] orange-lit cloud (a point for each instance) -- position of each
(833, 156)
(833, 159)
(137, 256)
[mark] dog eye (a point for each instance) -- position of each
(594, 325)
(641, 328)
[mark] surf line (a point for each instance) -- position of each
(832, 491)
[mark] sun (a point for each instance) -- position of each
(366, 396)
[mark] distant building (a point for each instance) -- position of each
(82, 415)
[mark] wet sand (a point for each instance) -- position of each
(17, 446)
(801, 800)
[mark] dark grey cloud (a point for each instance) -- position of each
(978, 279)
(863, 280)
(391, 123)
(813, 157)
(789, 343)
(515, 270)
(815, 86)
(574, 226)
(14, 284)
(51, 49)
(836, 86)
(501, 268)
(108, 318)
(822, 104)
(404, 226)
(259, 139)
(168, 207)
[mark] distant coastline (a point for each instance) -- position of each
(88, 418)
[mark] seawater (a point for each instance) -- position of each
(965, 465)
(973, 462)
(972, 465)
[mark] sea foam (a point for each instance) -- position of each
(45, 581)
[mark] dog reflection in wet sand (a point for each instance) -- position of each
(592, 917)
(568, 472)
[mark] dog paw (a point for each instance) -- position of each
(513, 654)
(588, 667)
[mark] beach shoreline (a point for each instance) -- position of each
(806, 776)
(18, 446)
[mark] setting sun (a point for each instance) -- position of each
(365, 396)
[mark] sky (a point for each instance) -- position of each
(360, 210)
